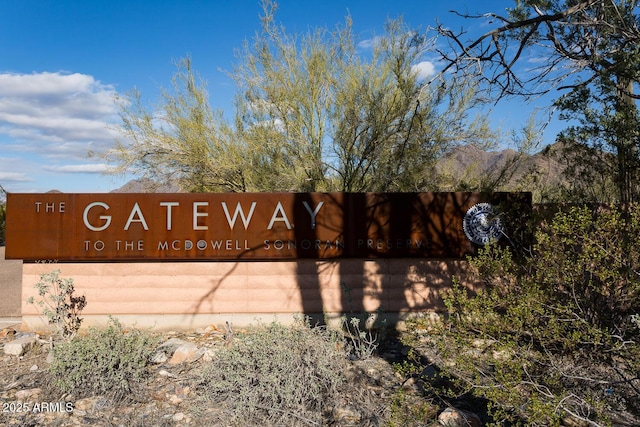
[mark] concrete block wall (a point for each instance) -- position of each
(184, 295)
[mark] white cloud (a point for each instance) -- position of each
(39, 84)
(423, 70)
(538, 59)
(42, 111)
(50, 123)
(370, 43)
(84, 168)
(14, 177)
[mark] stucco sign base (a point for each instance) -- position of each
(186, 295)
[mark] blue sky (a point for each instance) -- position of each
(62, 62)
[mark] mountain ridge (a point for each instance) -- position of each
(464, 168)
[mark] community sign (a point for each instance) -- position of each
(224, 226)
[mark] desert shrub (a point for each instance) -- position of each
(275, 375)
(59, 303)
(406, 410)
(552, 336)
(361, 331)
(107, 361)
(360, 342)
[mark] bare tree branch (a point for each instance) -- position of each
(573, 35)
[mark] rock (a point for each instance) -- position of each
(176, 351)
(165, 373)
(33, 368)
(178, 417)
(189, 352)
(211, 328)
(171, 345)
(90, 404)
(175, 400)
(452, 417)
(159, 357)
(85, 404)
(208, 330)
(502, 355)
(26, 335)
(20, 345)
(430, 372)
(30, 394)
(346, 415)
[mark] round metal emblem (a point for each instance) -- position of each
(481, 224)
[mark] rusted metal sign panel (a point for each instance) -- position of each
(118, 227)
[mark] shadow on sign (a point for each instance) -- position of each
(403, 251)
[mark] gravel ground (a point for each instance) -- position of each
(29, 400)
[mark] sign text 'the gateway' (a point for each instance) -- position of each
(199, 214)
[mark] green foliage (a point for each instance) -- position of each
(510, 173)
(275, 375)
(592, 59)
(605, 107)
(59, 304)
(410, 366)
(407, 411)
(600, 152)
(312, 114)
(107, 361)
(552, 336)
(337, 120)
(183, 140)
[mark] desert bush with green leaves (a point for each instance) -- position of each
(58, 301)
(554, 335)
(275, 375)
(108, 361)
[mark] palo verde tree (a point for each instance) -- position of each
(332, 118)
(589, 51)
(314, 112)
(181, 140)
